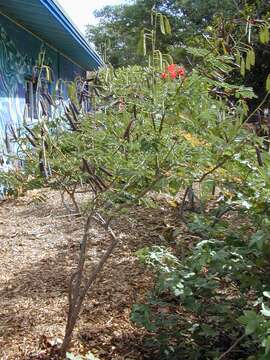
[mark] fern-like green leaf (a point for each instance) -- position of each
(162, 24)
(243, 67)
(141, 49)
(252, 57)
(268, 83)
(238, 57)
(167, 25)
(248, 61)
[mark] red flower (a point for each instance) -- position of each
(181, 71)
(174, 71)
(171, 68)
(164, 75)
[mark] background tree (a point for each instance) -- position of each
(118, 32)
(214, 24)
(242, 35)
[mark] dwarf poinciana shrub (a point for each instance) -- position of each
(166, 129)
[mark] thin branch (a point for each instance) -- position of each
(236, 5)
(161, 123)
(77, 295)
(181, 211)
(138, 197)
(232, 347)
(257, 108)
(213, 169)
(79, 272)
(222, 213)
(102, 261)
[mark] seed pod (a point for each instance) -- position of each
(31, 132)
(49, 99)
(105, 171)
(75, 108)
(126, 135)
(74, 114)
(98, 178)
(43, 107)
(31, 140)
(13, 132)
(88, 167)
(71, 122)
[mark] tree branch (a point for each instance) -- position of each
(232, 347)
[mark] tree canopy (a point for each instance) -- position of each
(120, 26)
(193, 23)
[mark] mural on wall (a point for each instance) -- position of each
(23, 57)
(13, 66)
(19, 57)
(16, 68)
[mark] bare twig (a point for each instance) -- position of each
(257, 108)
(221, 163)
(138, 197)
(259, 156)
(181, 210)
(71, 194)
(221, 214)
(76, 293)
(74, 290)
(232, 347)
(161, 123)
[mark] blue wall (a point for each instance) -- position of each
(19, 52)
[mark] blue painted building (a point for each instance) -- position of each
(37, 40)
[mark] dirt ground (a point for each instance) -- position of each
(39, 246)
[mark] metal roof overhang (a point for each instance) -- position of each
(47, 20)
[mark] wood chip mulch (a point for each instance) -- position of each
(39, 246)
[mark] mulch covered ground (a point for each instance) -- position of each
(39, 246)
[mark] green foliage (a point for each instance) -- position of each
(158, 135)
(246, 37)
(211, 286)
(11, 183)
(15, 182)
(221, 281)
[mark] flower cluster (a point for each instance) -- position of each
(174, 71)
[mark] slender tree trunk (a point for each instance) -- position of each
(77, 293)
